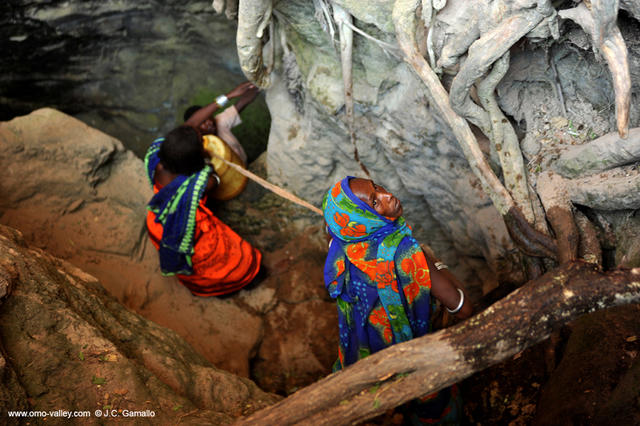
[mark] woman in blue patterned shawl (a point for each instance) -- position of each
(383, 282)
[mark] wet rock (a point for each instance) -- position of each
(98, 224)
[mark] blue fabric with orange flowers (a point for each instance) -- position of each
(380, 279)
(377, 273)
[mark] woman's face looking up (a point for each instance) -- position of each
(377, 197)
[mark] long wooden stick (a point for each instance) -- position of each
(271, 187)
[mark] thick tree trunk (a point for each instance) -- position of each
(424, 365)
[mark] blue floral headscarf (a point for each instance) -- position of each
(380, 279)
(367, 240)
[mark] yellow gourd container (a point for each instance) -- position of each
(232, 183)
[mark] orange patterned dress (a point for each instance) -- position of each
(222, 261)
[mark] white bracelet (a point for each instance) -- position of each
(215, 175)
(457, 309)
(222, 100)
(439, 266)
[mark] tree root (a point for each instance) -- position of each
(505, 139)
(533, 266)
(555, 199)
(600, 24)
(427, 364)
(429, 10)
(482, 54)
(341, 17)
(617, 189)
(323, 15)
(346, 58)
(389, 49)
(601, 154)
(528, 240)
(405, 23)
(460, 40)
(253, 17)
(589, 249)
(271, 48)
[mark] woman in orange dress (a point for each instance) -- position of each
(207, 256)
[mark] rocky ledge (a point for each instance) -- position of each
(68, 345)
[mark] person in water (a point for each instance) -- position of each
(384, 283)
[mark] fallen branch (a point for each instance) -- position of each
(408, 370)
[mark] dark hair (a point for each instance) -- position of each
(190, 111)
(182, 151)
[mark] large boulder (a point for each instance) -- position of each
(77, 193)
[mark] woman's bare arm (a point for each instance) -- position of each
(247, 90)
(444, 287)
